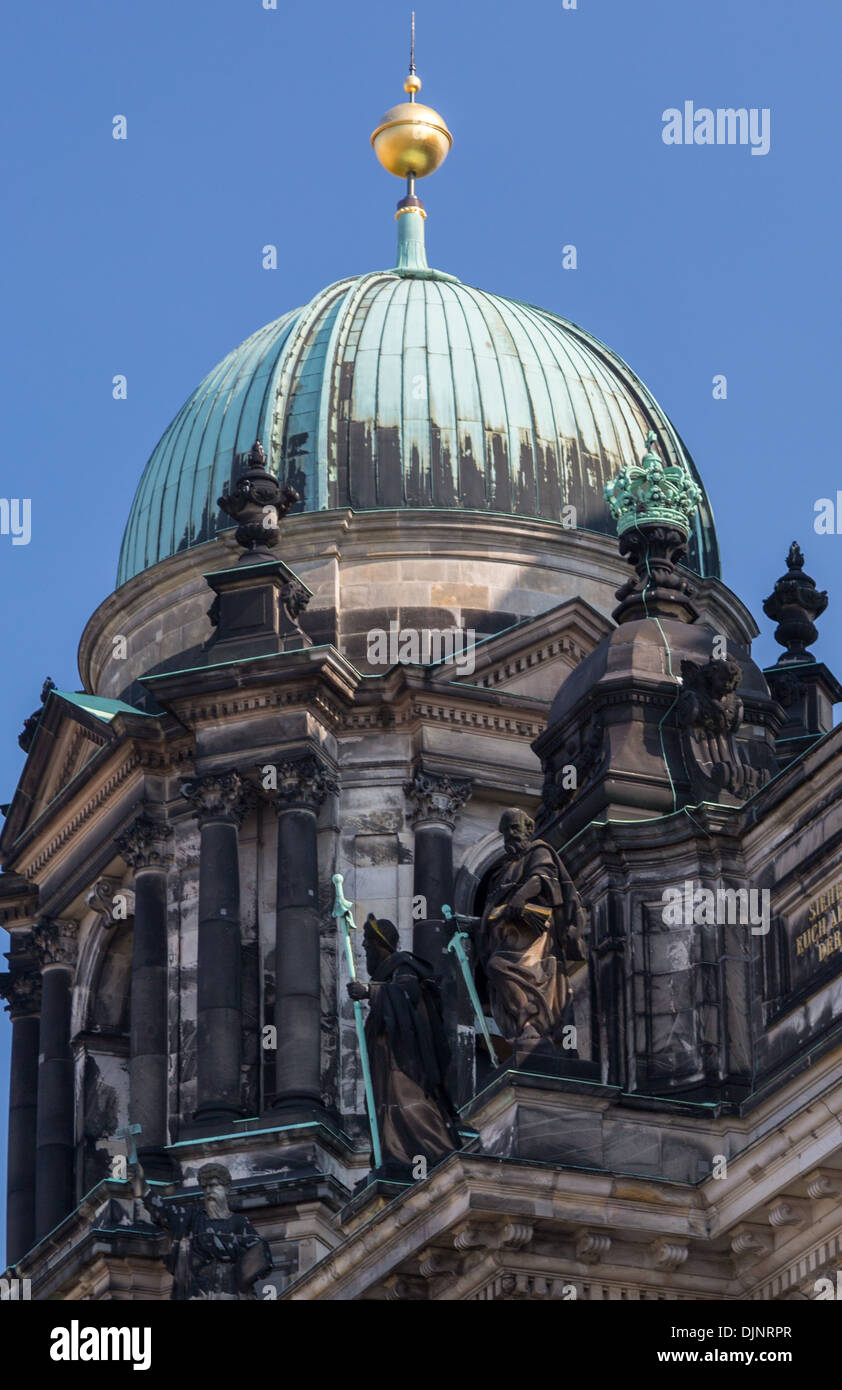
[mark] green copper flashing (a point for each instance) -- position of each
(412, 252)
(653, 493)
(99, 706)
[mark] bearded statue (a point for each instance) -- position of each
(215, 1253)
(528, 936)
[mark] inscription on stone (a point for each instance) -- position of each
(822, 937)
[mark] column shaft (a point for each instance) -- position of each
(297, 963)
(433, 879)
(148, 1026)
(23, 1107)
(436, 801)
(219, 1016)
(54, 1125)
(145, 845)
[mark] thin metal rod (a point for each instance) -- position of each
(344, 912)
(456, 946)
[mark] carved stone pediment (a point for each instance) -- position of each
(62, 744)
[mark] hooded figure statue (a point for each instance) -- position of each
(408, 1054)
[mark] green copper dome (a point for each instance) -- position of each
(406, 388)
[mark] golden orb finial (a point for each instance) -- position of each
(412, 140)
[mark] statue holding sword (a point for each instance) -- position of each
(404, 1050)
(529, 940)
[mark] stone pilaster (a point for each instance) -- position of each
(302, 785)
(145, 846)
(435, 801)
(23, 993)
(55, 947)
(220, 799)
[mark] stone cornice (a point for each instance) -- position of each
(570, 631)
(18, 902)
(401, 699)
(44, 846)
(465, 709)
(45, 837)
(471, 1204)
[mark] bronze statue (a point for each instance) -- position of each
(530, 931)
(215, 1253)
(408, 1054)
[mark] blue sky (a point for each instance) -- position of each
(249, 126)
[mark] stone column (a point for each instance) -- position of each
(610, 956)
(435, 801)
(303, 784)
(145, 846)
(221, 800)
(55, 945)
(23, 993)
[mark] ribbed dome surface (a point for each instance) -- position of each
(408, 390)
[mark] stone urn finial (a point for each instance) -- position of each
(794, 604)
(259, 504)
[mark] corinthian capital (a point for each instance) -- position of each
(434, 796)
(23, 993)
(219, 796)
(301, 782)
(146, 843)
(55, 943)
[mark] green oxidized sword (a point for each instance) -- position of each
(457, 947)
(343, 911)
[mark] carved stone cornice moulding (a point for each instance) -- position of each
(492, 1235)
(510, 1287)
(668, 1254)
(229, 704)
(23, 993)
(510, 667)
(591, 1247)
(405, 713)
(821, 1260)
(788, 1213)
(19, 910)
(303, 783)
(56, 943)
(748, 1245)
(42, 855)
(220, 796)
(509, 725)
(435, 798)
(403, 1288)
(439, 1266)
(437, 1216)
(823, 1183)
(146, 844)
